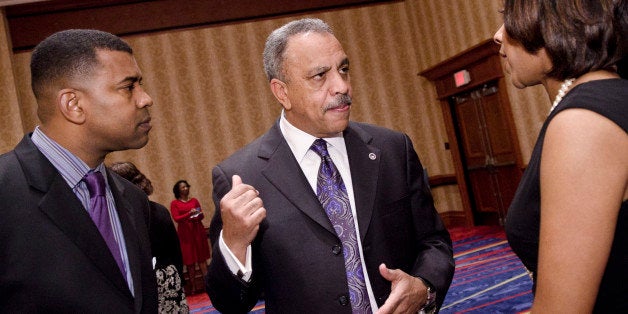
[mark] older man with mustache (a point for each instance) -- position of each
(320, 214)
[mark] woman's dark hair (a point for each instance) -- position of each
(128, 171)
(579, 36)
(175, 188)
(621, 16)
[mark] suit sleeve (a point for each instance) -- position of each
(434, 262)
(229, 294)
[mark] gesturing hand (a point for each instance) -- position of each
(407, 293)
(242, 211)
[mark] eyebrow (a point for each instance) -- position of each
(317, 70)
(131, 79)
(320, 69)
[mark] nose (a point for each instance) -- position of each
(499, 35)
(144, 99)
(340, 83)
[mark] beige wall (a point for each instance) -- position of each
(211, 96)
(10, 122)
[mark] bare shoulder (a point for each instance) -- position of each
(587, 145)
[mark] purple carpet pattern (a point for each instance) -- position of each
(489, 278)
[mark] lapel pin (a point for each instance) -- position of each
(372, 156)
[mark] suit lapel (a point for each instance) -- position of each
(65, 210)
(285, 174)
(130, 235)
(364, 163)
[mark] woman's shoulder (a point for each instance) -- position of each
(608, 98)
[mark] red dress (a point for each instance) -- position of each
(192, 235)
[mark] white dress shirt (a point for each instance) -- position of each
(309, 161)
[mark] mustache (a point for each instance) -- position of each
(338, 101)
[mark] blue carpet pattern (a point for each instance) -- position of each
(489, 277)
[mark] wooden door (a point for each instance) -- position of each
(481, 133)
(489, 153)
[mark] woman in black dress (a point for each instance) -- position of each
(569, 219)
(165, 247)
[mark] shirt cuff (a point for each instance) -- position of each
(242, 271)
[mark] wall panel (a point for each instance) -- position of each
(211, 95)
(10, 122)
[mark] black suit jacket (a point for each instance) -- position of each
(295, 263)
(53, 258)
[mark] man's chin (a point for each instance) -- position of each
(138, 143)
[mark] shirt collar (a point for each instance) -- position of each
(300, 141)
(71, 168)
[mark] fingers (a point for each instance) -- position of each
(406, 295)
(239, 195)
(242, 200)
(388, 274)
(236, 180)
(391, 303)
(242, 211)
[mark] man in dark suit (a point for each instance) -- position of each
(272, 236)
(54, 257)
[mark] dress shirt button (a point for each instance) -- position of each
(344, 300)
(336, 249)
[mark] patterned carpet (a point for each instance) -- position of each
(489, 278)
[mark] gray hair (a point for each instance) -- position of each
(278, 40)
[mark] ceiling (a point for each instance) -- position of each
(30, 21)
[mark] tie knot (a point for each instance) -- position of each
(95, 183)
(320, 147)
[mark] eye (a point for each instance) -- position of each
(319, 76)
(344, 69)
(130, 87)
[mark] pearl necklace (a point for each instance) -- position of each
(561, 92)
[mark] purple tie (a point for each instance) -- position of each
(332, 194)
(100, 214)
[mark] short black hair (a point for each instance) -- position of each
(175, 188)
(69, 54)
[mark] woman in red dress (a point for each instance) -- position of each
(187, 213)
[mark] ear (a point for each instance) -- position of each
(68, 102)
(280, 90)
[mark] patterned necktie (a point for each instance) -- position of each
(100, 213)
(332, 194)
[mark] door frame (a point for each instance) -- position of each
(483, 63)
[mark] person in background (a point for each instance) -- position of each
(323, 215)
(164, 244)
(568, 221)
(74, 236)
(188, 214)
